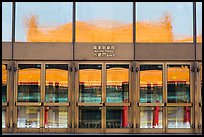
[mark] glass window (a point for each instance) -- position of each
(4, 82)
(104, 21)
(56, 83)
(43, 22)
(89, 117)
(178, 83)
(151, 117)
(90, 84)
(199, 21)
(179, 117)
(164, 22)
(29, 82)
(117, 117)
(151, 83)
(28, 117)
(3, 117)
(55, 117)
(117, 86)
(6, 21)
(201, 79)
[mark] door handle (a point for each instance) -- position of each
(102, 103)
(70, 125)
(75, 125)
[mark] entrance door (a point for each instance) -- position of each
(89, 99)
(103, 98)
(5, 97)
(150, 107)
(200, 99)
(28, 97)
(179, 113)
(56, 108)
(117, 98)
(164, 98)
(42, 97)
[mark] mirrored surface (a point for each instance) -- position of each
(90, 84)
(179, 117)
(178, 83)
(43, 22)
(89, 117)
(104, 21)
(28, 117)
(164, 22)
(4, 82)
(117, 117)
(6, 21)
(199, 21)
(55, 117)
(56, 89)
(151, 117)
(117, 86)
(3, 117)
(151, 89)
(29, 85)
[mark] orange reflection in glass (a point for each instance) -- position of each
(179, 74)
(153, 77)
(35, 33)
(4, 74)
(115, 76)
(57, 75)
(27, 76)
(106, 31)
(90, 77)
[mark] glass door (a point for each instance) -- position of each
(28, 97)
(5, 99)
(150, 106)
(118, 118)
(56, 107)
(89, 99)
(179, 116)
(200, 99)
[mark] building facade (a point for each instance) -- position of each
(102, 67)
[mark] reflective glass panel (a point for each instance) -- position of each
(29, 82)
(117, 86)
(6, 21)
(179, 117)
(151, 83)
(3, 117)
(201, 71)
(28, 117)
(164, 22)
(56, 83)
(43, 22)
(151, 117)
(117, 117)
(90, 84)
(4, 83)
(89, 117)
(178, 83)
(199, 21)
(55, 117)
(104, 21)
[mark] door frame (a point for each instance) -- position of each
(103, 103)
(8, 102)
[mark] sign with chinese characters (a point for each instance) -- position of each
(104, 50)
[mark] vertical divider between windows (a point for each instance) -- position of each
(134, 27)
(11, 94)
(194, 121)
